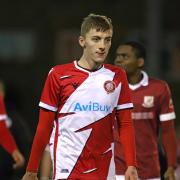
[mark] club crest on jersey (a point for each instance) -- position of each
(148, 101)
(109, 86)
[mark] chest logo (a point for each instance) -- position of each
(109, 86)
(148, 101)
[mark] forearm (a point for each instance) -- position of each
(38, 146)
(41, 139)
(46, 166)
(169, 142)
(127, 137)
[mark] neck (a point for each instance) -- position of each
(87, 64)
(135, 78)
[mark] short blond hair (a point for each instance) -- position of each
(94, 21)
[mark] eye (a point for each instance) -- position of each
(125, 56)
(108, 40)
(95, 39)
(122, 56)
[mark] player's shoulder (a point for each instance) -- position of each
(159, 83)
(114, 68)
(61, 68)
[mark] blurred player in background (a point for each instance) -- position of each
(82, 98)
(6, 139)
(153, 110)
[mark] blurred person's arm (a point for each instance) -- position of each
(41, 139)
(18, 158)
(6, 138)
(9, 144)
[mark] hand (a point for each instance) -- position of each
(169, 174)
(18, 158)
(131, 173)
(30, 176)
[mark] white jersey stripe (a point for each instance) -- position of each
(3, 117)
(91, 170)
(125, 106)
(67, 76)
(122, 177)
(65, 169)
(168, 116)
(111, 172)
(46, 106)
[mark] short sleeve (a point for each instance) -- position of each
(124, 101)
(50, 94)
(166, 105)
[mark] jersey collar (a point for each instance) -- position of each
(86, 70)
(143, 82)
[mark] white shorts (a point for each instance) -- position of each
(121, 177)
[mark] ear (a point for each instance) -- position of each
(81, 41)
(140, 62)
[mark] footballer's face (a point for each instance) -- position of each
(127, 59)
(96, 45)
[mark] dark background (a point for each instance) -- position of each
(36, 35)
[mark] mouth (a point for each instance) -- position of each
(101, 53)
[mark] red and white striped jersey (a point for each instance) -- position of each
(81, 140)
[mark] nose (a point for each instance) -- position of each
(102, 45)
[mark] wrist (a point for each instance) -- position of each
(132, 167)
(31, 174)
(15, 151)
(171, 168)
(44, 178)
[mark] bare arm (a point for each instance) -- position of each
(46, 165)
